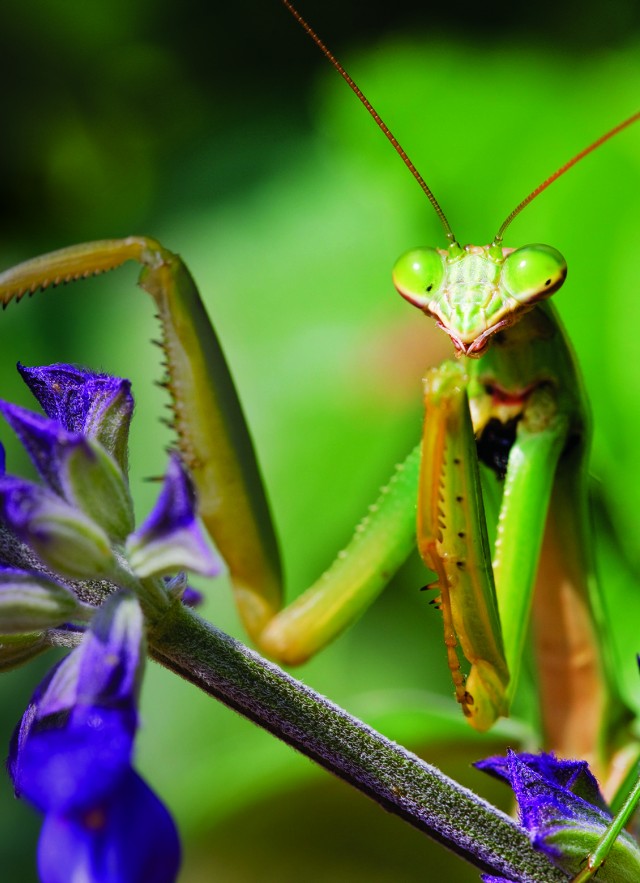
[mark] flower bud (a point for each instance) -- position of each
(170, 538)
(564, 813)
(30, 602)
(62, 537)
(85, 402)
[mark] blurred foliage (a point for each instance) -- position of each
(223, 132)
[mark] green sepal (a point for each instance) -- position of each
(30, 602)
(70, 542)
(573, 843)
(92, 480)
(110, 424)
(15, 650)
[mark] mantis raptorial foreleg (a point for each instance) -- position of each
(452, 539)
(216, 445)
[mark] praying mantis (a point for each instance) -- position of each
(490, 633)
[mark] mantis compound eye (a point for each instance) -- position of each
(533, 272)
(418, 275)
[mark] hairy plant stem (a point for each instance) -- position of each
(399, 781)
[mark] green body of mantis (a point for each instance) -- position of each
(511, 407)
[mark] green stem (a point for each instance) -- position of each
(396, 779)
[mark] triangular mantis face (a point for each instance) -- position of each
(474, 291)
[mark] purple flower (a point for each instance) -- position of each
(178, 587)
(563, 812)
(71, 758)
(85, 508)
(95, 405)
(170, 539)
(192, 597)
(75, 467)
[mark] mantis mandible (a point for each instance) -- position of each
(525, 416)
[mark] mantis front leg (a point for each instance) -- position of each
(215, 443)
(452, 539)
(452, 536)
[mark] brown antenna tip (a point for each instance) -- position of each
(565, 168)
(376, 116)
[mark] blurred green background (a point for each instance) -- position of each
(222, 132)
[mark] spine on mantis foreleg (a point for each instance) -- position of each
(452, 539)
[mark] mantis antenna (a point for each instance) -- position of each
(565, 168)
(405, 158)
(376, 116)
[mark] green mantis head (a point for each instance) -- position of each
(474, 291)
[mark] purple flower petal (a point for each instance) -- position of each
(546, 787)
(19, 500)
(113, 655)
(43, 439)
(545, 805)
(192, 597)
(574, 775)
(54, 696)
(71, 395)
(129, 838)
(556, 816)
(18, 741)
(64, 392)
(97, 405)
(170, 538)
(71, 765)
(76, 738)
